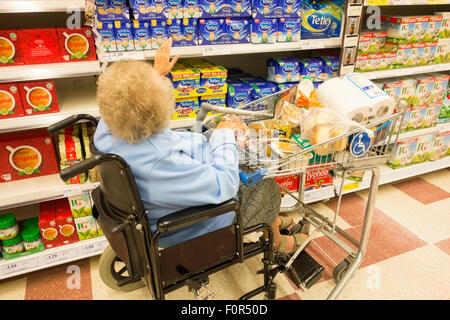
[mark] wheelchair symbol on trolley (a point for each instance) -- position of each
(360, 144)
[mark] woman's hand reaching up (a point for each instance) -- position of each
(162, 63)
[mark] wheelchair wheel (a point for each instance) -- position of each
(112, 269)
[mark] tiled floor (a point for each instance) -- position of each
(408, 255)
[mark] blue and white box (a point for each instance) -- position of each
(124, 35)
(276, 8)
(141, 35)
(289, 29)
(282, 70)
(239, 93)
(321, 19)
(311, 68)
(264, 30)
(158, 32)
(224, 31)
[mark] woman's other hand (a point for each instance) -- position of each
(162, 63)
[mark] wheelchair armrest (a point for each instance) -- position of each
(189, 216)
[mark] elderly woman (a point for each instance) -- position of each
(173, 169)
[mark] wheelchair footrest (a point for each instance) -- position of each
(305, 270)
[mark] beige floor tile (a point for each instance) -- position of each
(13, 290)
(419, 274)
(429, 222)
(101, 292)
(439, 178)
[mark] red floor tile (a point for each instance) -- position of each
(61, 283)
(292, 296)
(444, 245)
(351, 210)
(422, 190)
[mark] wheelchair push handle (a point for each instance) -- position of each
(80, 167)
(54, 128)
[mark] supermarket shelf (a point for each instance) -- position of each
(218, 50)
(38, 189)
(49, 71)
(310, 196)
(406, 71)
(389, 175)
(52, 257)
(443, 127)
(13, 6)
(72, 99)
(404, 2)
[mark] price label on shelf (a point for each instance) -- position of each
(94, 247)
(350, 186)
(444, 128)
(438, 1)
(401, 2)
(17, 266)
(95, 185)
(73, 190)
(60, 256)
(354, 11)
(128, 55)
(215, 50)
(377, 2)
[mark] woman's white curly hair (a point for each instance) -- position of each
(134, 100)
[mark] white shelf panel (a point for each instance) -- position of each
(310, 196)
(406, 2)
(389, 175)
(443, 127)
(406, 71)
(38, 189)
(13, 6)
(52, 257)
(72, 99)
(218, 50)
(49, 71)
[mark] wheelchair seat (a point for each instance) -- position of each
(121, 215)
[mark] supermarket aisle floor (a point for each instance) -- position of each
(408, 255)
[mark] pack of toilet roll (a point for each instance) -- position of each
(356, 98)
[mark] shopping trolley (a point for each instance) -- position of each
(368, 146)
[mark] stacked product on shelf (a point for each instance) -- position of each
(419, 149)
(86, 225)
(404, 41)
(197, 81)
(444, 114)
(27, 98)
(50, 45)
(443, 47)
(19, 239)
(424, 95)
(145, 23)
(26, 154)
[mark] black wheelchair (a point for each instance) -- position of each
(121, 215)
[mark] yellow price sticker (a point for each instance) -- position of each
(438, 1)
(350, 186)
(377, 2)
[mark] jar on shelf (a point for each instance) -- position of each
(31, 222)
(31, 237)
(13, 246)
(8, 227)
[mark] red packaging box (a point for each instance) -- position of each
(39, 46)
(318, 177)
(289, 182)
(47, 225)
(10, 101)
(38, 97)
(76, 44)
(26, 154)
(10, 49)
(64, 222)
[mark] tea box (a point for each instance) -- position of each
(185, 80)
(276, 8)
(39, 45)
(217, 8)
(86, 228)
(71, 151)
(174, 9)
(80, 205)
(290, 182)
(311, 68)
(141, 35)
(111, 10)
(434, 27)
(408, 89)
(47, 224)
(10, 101)
(264, 30)
(403, 153)
(417, 117)
(239, 93)
(124, 35)
(38, 97)
(188, 32)
(99, 229)
(10, 49)
(317, 178)
(403, 125)
(213, 80)
(377, 41)
(330, 67)
(362, 63)
(108, 36)
(26, 154)
(65, 222)
(423, 53)
(424, 147)
(224, 31)
(431, 115)
(156, 9)
(439, 89)
(218, 100)
(237, 30)
(87, 132)
(364, 43)
(289, 29)
(158, 32)
(444, 32)
(186, 108)
(76, 44)
(321, 19)
(281, 70)
(442, 54)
